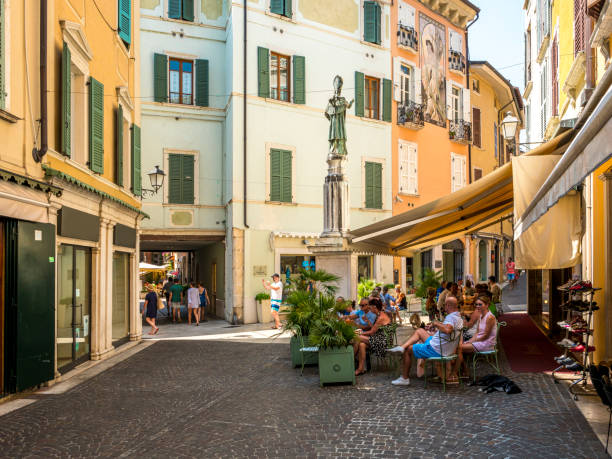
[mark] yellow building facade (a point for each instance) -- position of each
(70, 184)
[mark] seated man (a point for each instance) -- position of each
(363, 318)
(423, 346)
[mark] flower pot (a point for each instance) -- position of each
(310, 358)
(264, 314)
(336, 365)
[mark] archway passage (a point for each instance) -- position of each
(482, 260)
(453, 253)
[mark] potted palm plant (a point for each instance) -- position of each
(263, 307)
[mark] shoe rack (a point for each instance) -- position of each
(578, 324)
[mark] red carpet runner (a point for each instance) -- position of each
(527, 349)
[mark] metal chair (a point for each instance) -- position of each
(454, 339)
(486, 354)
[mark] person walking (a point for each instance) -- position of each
(511, 272)
(193, 303)
(276, 296)
(176, 298)
(149, 310)
(204, 301)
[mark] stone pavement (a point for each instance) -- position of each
(212, 398)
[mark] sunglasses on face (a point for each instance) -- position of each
(478, 303)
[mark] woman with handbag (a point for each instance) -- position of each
(151, 304)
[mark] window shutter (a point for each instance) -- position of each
(386, 100)
(288, 8)
(125, 20)
(2, 53)
(263, 79)
(413, 176)
(377, 185)
(369, 21)
(299, 79)
(188, 10)
(175, 178)
(275, 175)
(286, 195)
(404, 170)
(449, 93)
(66, 96)
(417, 85)
(136, 175)
(202, 88)
(119, 147)
(369, 185)
(377, 15)
(397, 81)
(174, 9)
(96, 126)
(476, 127)
(188, 179)
(465, 104)
(277, 6)
(359, 93)
(160, 77)
(477, 174)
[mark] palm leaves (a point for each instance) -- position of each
(431, 278)
(365, 287)
(328, 332)
(319, 281)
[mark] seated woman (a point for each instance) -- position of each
(486, 331)
(375, 338)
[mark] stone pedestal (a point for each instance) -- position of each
(335, 199)
(334, 256)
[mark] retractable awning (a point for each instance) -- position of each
(465, 211)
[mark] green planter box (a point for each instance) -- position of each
(310, 358)
(336, 365)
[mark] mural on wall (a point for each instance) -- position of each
(433, 70)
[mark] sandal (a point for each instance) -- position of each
(452, 381)
(156, 330)
(359, 373)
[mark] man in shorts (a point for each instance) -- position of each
(276, 297)
(511, 271)
(176, 298)
(423, 345)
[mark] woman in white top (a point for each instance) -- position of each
(193, 303)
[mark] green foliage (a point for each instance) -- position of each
(262, 296)
(329, 332)
(307, 308)
(365, 287)
(431, 279)
(390, 286)
(319, 281)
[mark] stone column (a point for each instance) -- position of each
(108, 297)
(54, 207)
(607, 257)
(238, 275)
(135, 316)
(101, 293)
(335, 199)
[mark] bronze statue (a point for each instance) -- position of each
(336, 114)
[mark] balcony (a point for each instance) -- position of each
(460, 131)
(407, 37)
(410, 115)
(456, 61)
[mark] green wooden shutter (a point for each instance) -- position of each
(66, 105)
(125, 20)
(369, 185)
(174, 9)
(188, 179)
(386, 100)
(160, 78)
(288, 8)
(175, 178)
(377, 16)
(275, 175)
(377, 185)
(202, 82)
(188, 10)
(2, 59)
(359, 93)
(299, 79)
(286, 195)
(96, 126)
(369, 21)
(119, 147)
(277, 6)
(136, 174)
(263, 78)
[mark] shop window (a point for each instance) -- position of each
(121, 296)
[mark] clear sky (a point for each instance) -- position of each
(497, 37)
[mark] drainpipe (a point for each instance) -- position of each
(44, 146)
(244, 121)
(467, 84)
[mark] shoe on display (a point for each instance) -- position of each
(566, 286)
(581, 285)
(401, 381)
(566, 362)
(567, 342)
(574, 367)
(581, 347)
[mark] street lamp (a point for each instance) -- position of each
(156, 176)
(509, 125)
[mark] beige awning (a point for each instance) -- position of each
(466, 211)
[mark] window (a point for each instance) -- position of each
(406, 15)
(477, 173)
(455, 101)
(280, 175)
(580, 18)
(476, 138)
(406, 76)
(181, 168)
(282, 7)
(124, 21)
(373, 185)
(554, 64)
(96, 126)
(371, 22)
(372, 99)
(135, 159)
(408, 174)
(543, 97)
(458, 169)
(280, 73)
(181, 81)
(181, 9)
(476, 86)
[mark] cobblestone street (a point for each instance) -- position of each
(236, 399)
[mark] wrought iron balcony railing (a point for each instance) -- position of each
(410, 115)
(460, 131)
(456, 61)
(408, 37)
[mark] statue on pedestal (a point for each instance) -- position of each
(336, 114)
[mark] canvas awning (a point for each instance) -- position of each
(465, 211)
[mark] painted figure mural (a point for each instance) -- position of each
(433, 77)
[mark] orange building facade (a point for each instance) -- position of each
(431, 127)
